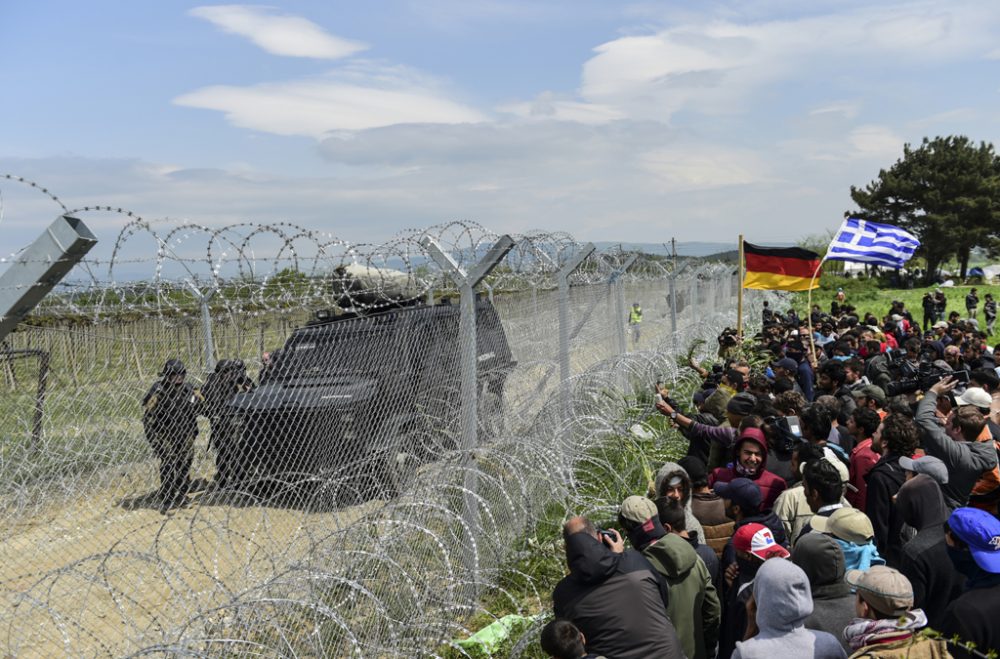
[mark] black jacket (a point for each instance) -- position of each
(924, 559)
(884, 480)
(973, 617)
(618, 601)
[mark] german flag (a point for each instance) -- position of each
(779, 268)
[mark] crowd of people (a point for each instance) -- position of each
(839, 497)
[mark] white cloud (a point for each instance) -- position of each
(704, 167)
(548, 106)
(714, 66)
(846, 109)
(876, 142)
(278, 34)
(316, 106)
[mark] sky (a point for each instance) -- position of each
(613, 121)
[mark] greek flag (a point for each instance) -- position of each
(868, 242)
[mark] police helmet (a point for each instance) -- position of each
(173, 367)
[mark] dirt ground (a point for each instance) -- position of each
(109, 575)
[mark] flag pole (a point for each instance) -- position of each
(739, 298)
(809, 306)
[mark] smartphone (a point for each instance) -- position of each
(961, 376)
(794, 426)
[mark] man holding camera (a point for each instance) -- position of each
(962, 447)
(614, 596)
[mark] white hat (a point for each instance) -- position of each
(976, 397)
(832, 458)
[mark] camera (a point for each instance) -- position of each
(728, 338)
(787, 431)
(922, 378)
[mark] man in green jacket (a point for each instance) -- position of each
(694, 604)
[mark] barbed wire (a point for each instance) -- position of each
(294, 560)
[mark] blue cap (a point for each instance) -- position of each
(981, 531)
(741, 491)
(786, 363)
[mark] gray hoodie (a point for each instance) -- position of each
(822, 559)
(693, 525)
(784, 601)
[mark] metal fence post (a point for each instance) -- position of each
(673, 313)
(42, 265)
(206, 324)
(563, 279)
(693, 285)
(469, 431)
(615, 282)
(711, 299)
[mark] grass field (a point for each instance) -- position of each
(868, 295)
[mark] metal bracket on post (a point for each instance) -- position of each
(614, 280)
(40, 267)
(563, 279)
(469, 435)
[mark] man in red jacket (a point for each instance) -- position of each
(749, 457)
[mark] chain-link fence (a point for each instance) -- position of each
(278, 443)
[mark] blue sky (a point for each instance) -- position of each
(613, 121)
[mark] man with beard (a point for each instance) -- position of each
(672, 481)
(693, 607)
(749, 456)
(170, 421)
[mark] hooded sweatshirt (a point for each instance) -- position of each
(770, 484)
(924, 559)
(821, 558)
(694, 606)
(618, 601)
(784, 602)
(666, 472)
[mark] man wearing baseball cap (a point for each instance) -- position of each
(853, 531)
(973, 538)
(887, 624)
(965, 456)
(693, 605)
(870, 396)
(751, 545)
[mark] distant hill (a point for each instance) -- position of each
(695, 249)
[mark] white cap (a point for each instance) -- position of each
(976, 397)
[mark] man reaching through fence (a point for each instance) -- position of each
(170, 420)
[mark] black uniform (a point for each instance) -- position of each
(930, 310)
(170, 419)
(228, 379)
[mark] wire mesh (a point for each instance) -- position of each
(295, 483)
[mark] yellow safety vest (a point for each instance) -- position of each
(635, 316)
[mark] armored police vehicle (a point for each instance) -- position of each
(365, 398)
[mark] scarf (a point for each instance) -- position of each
(862, 631)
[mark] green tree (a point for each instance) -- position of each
(946, 192)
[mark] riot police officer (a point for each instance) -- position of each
(170, 420)
(228, 379)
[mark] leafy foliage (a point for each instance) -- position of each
(946, 192)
